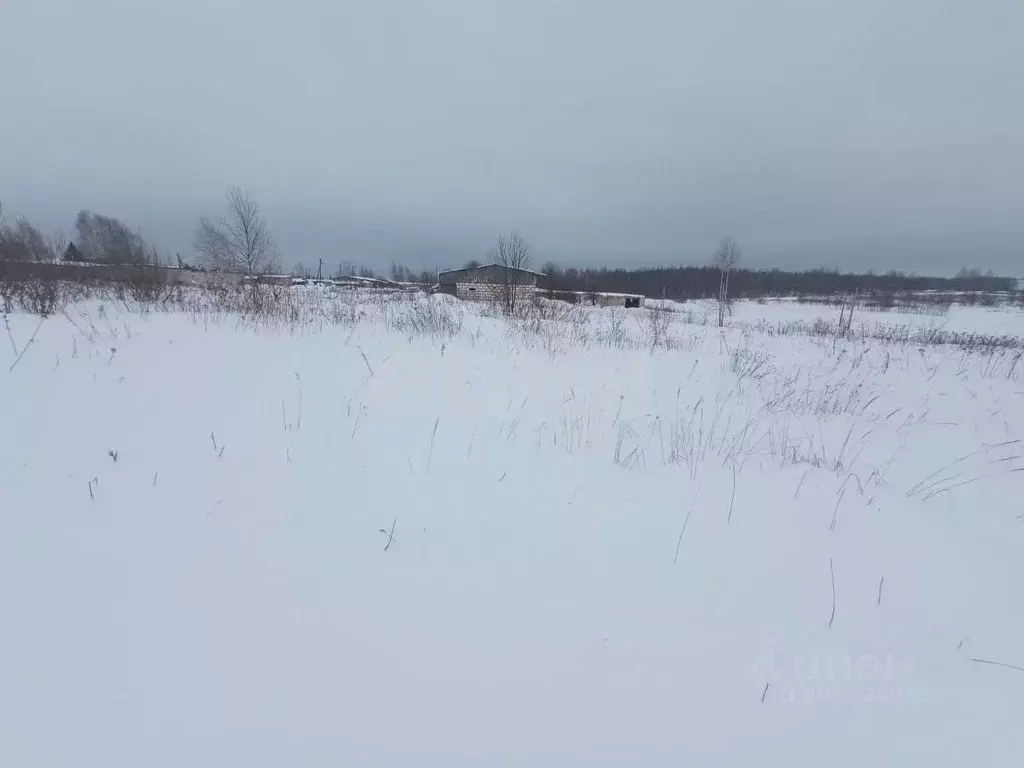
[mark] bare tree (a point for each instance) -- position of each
(725, 258)
(27, 273)
(24, 242)
(241, 242)
(104, 239)
(551, 269)
(57, 244)
(512, 254)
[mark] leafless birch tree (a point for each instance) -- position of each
(106, 240)
(241, 241)
(725, 258)
(512, 254)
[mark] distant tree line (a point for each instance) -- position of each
(402, 274)
(242, 242)
(99, 240)
(705, 282)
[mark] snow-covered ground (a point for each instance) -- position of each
(995, 321)
(411, 533)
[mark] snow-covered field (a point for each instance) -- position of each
(994, 321)
(406, 532)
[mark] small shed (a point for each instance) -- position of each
(628, 300)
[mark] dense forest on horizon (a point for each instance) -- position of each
(700, 282)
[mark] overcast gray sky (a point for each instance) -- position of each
(850, 133)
